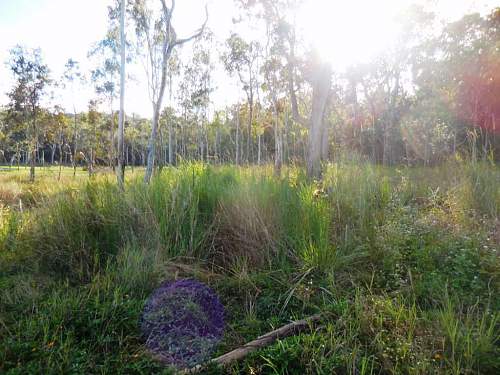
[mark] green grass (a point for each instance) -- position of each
(402, 263)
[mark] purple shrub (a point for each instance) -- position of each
(182, 322)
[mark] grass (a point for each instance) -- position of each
(402, 263)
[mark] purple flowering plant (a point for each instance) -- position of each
(182, 323)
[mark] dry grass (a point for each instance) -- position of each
(247, 228)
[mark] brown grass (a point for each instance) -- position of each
(246, 228)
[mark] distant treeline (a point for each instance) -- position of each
(431, 96)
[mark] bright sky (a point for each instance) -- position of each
(67, 29)
(345, 31)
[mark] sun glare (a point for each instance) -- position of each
(347, 32)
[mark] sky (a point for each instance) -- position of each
(66, 29)
(345, 31)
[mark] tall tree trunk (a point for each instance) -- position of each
(170, 144)
(161, 154)
(132, 144)
(249, 125)
(207, 142)
(75, 142)
(258, 149)
(92, 151)
(169, 43)
(156, 117)
(151, 143)
(91, 161)
(33, 148)
(121, 119)
(385, 145)
(325, 143)
(238, 135)
(216, 146)
(277, 143)
(133, 155)
(18, 155)
(321, 89)
(53, 153)
(61, 155)
(111, 152)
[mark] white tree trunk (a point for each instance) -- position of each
(238, 135)
(170, 144)
(121, 120)
(321, 89)
(277, 143)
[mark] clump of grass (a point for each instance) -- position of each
(136, 268)
(74, 233)
(10, 192)
(246, 228)
(178, 208)
(358, 195)
(480, 189)
(471, 338)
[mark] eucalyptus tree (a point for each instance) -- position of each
(104, 78)
(167, 120)
(132, 135)
(93, 119)
(280, 19)
(174, 69)
(52, 132)
(241, 58)
(272, 77)
(195, 90)
(280, 16)
(31, 77)
(274, 85)
(61, 123)
(156, 41)
(280, 64)
(217, 126)
(321, 85)
(74, 78)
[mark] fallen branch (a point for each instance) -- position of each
(262, 341)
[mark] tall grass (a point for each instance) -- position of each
(373, 248)
(222, 213)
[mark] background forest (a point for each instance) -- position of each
(429, 96)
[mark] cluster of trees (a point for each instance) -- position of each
(432, 94)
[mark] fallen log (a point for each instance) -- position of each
(262, 341)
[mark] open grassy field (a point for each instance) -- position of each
(402, 263)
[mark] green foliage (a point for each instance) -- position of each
(402, 264)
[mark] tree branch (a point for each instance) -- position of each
(168, 14)
(197, 34)
(262, 341)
